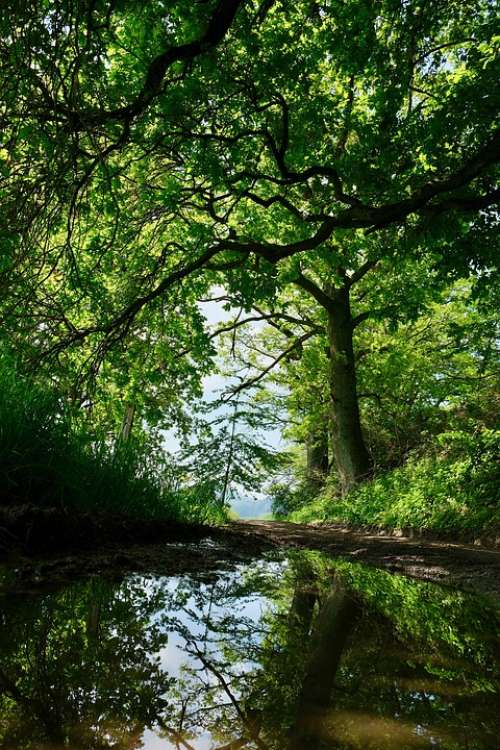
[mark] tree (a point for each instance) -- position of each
(426, 363)
(258, 139)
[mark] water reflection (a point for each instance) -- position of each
(295, 654)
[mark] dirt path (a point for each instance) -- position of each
(465, 566)
(87, 544)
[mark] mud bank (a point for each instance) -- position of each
(48, 544)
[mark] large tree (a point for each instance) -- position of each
(150, 154)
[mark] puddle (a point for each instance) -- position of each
(294, 652)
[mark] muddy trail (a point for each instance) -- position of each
(465, 566)
(49, 546)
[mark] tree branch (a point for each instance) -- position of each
(358, 319)
(253, 381)
(217, 27)
(319, 295)
(361, 272)
(422, 57)
(354, 217)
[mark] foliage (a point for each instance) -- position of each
(227, 454)
(292, 155)
(52, 457)
(454, 489)
(143, 173)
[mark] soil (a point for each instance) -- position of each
(32, 529)
(464, 566)
(47, 546)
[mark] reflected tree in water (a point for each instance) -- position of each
(306, 653)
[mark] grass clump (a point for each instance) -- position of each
(455, 489)
(50, 456)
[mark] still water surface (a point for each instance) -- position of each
(296, 652)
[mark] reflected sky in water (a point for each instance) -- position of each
(297, 652)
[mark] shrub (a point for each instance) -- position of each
(454, 489)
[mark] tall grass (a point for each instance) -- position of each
(50, 457)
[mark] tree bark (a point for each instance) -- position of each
(351, 457)
(317, 456)
(127, 423)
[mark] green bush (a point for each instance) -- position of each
(50, 457)
(455, 489)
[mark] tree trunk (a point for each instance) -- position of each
(335, 622)
(317, 456)
(351, 458)
(127, 423)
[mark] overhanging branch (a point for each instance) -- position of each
(262, 374)
(216, 29)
